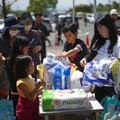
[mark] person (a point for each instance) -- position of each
(74, 48)
(20, 47)
(48, 26)
(28, 102)
(9, 31)
(40, 27)
(105, 43)
(49, 42)
(4, 83)
(59, 32)
(34, 39)
(114, 15)
(85, 20)
(19, 19)
(6, 106)
(118, 31)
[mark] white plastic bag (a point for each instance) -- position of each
(75, 79)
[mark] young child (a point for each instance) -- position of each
(20, 47)
(28, 102)
(74, 48)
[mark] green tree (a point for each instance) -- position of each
(115, 5)
(5, 7)
(79, 8)
(41, 5)
(102, 7)
(82, 8)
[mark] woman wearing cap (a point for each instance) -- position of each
(9, 32)
(114, 16)
(33, 37)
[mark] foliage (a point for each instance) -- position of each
(83, 8)
(103, 8)
(41, 5)
(115, 4)
(7, 7)
(18, 12)
(100, 7)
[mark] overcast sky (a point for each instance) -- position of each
(62, 4)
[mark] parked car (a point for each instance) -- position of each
(90, 17)
(70, 20)
(99, 14)
(1, 24)
(47, 23)
(79, 15)
(118, 22)
(11, 15)
(53, 24)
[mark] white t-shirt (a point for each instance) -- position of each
(103, 51)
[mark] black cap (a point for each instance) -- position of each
(26, 17)
(38, 14)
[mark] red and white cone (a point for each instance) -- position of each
(56, 40)
(87, 42)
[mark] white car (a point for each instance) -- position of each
(90, 17)
(1, 24)
(79, 15)
(47, 23)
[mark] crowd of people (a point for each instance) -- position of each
(23, 42)
(25, 37)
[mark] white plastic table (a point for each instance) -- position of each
(96, 108)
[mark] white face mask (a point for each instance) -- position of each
(13, 33)
(27, 27)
